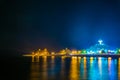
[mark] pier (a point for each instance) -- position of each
(78, 55)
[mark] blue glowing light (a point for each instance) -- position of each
(100, 48)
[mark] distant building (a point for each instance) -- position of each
(99, 48)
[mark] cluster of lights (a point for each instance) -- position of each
(67, 51)
(72, 52)
(101, 48)
(61, 52)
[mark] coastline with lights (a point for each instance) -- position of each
(97, 50)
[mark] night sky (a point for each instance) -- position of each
(31, 24)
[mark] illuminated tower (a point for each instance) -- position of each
(98, 48)
(100, 42)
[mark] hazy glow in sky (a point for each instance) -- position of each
(58, 24)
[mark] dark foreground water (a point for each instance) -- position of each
(60, 68)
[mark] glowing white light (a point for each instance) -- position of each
(100, 42)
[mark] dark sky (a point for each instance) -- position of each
(31, 24)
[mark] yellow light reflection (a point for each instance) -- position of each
(44, 67)
(109, 63)
(109, 58)
(74, 75)
(91, 60)
(53, 58)
(44, 58)
(63, 57)
(119, 69)
(37, 59)
(84, 57)
(79, 59)
(85, 66)
(35, 71)
(84, 60)
(62, 67)
(33, 59)
(52, 63)
(100, 65)
(74, 58)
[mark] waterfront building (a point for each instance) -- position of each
(100, 48)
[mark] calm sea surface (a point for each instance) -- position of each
(62, 68)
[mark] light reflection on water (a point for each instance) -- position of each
(119, 69)
(74, 68)
(74, 72)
